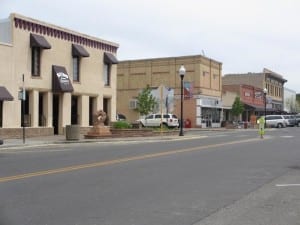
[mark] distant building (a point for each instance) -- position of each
(68, 76)
(298, 102)
(202, 86)
(273, 82)
(290, 103)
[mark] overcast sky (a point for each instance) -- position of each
(244, 35)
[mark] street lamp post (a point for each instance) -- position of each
(181, 74)
(265, 98)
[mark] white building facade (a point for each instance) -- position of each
(290, 103)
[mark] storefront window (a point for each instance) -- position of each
(212, 115)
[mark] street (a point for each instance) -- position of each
(201, 178)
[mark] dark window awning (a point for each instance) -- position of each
(60, 80)
(5, 95)
(39, 41)
(79, 51)
(254, 107)
(110, 58)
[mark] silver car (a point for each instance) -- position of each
(297, 120)
(276, 121)
(291, 120)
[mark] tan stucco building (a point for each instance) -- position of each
(202, 86)
(68, 76)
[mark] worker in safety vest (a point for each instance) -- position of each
(261, 126)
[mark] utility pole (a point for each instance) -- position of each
(23, 107)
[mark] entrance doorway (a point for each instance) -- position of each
(211, 117)
(74, 110)
(55, 113)
(92, 101)
(1, 113)
(42, 118)
(106, 108)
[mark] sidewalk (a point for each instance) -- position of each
(61, 139)
(275, 203)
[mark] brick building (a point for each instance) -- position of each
(202, 86)
(68, 76)
(252, 98)
(273, 82)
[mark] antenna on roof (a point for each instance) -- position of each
(203, 52)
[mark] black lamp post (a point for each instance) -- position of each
(181, 74)
(265, 98)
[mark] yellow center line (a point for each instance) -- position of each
(117, 161)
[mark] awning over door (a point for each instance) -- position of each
(61, 80)
(110, 58)
(254, 107)
(5, 95)
(78, 50)
(39, 41)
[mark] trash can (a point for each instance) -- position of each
(187, 123)
(72, 132)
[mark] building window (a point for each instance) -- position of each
(76, 68)
(35, 61)
(106, 74)
(133, 104)
(205, 73)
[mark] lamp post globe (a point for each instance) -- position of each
(182, 71)
(181, 74)
(265, 91)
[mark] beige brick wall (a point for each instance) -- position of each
(15, 60)
(134, 75)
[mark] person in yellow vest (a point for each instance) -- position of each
(261, 126)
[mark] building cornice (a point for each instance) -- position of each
(42, 28)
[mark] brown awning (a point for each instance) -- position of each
(60, 80)
(254, 107)
(39, 41)
(110, 58)
(5, 95)
(78, 50)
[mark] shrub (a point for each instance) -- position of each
(122, 125)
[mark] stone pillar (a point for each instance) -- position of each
(48, 108)
(65, 111)
(83, 109)
(34, 108)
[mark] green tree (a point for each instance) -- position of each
(146, 102)
(237, 107)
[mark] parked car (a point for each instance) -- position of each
(120, 117)
(156, 120)
(297, 120)
(276, 121)
(291, 120)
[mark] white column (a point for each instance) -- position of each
(65, 110)
(83, 109)
(48, 108)
(99, 102)
(34, 107)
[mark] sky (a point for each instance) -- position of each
(244, 35)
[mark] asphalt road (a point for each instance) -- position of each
(201, 178)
